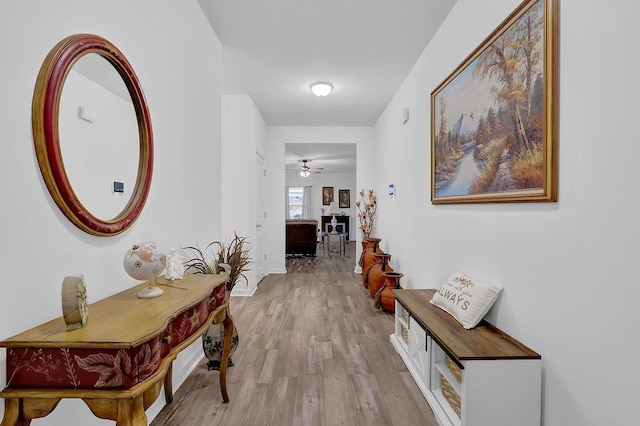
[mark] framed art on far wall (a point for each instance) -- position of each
(494, 118)
(344, 198)
(327, 195)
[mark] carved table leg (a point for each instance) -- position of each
(139, 415)
(168, 385)
(224, 360)
(131, 412)
(150, 395)
(12, 412)
(20, 411)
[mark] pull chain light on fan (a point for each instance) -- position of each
(304, 170)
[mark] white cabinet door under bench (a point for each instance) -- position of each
(477, 377)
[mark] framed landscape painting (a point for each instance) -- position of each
(494, 119)
(327, 195)
(344, 198)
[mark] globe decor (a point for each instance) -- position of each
(144, 262)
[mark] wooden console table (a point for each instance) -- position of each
(119, 361)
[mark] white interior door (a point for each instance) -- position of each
(260, 256)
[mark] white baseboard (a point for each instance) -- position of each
(243, 292)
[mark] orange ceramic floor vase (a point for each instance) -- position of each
(373, 247)
(385, 298)
(364, 243)
(375, 274)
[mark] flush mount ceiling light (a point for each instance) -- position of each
(321, 88)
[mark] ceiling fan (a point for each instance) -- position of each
(305, 170)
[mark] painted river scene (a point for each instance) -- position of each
(488, 134)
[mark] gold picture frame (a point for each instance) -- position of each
(327, 195)
(344, 198)
(494, 118)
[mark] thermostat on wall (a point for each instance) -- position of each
(118, 187)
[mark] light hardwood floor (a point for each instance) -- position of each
(313, 351)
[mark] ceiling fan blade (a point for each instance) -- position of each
(304, 167)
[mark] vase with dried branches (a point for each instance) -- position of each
(234, 259)
(367, 206)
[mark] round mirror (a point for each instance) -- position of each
(92, 134)
(98, 136)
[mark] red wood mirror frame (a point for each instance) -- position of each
(45, 108)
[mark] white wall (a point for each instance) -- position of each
(568, 268)
(114, 132)
(337, 181)
(243, 135)
(363, 137)
(39, 246)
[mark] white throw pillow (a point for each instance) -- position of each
(466, 298)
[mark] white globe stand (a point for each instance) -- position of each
(150, 292)
(145, 261)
